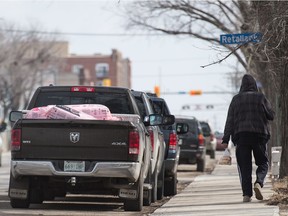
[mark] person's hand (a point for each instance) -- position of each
(225, 145)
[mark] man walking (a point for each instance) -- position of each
(248, 124)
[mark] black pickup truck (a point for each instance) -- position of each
(54, 157)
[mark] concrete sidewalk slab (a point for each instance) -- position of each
(218, 193)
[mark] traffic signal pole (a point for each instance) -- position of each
(197, 92)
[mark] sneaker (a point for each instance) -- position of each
(257, 190)
(247, 199)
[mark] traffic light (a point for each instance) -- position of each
(157, 90)
(195, 92)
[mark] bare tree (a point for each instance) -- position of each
(25, 57)
(206, 20)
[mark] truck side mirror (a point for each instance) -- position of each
(168, 119)
(155, 119)
(182, 128)
(15, 115)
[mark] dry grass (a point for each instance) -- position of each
(280, 196)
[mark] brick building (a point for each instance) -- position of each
(97, 69)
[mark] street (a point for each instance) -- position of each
(74, 205)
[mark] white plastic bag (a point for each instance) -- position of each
(226, 158)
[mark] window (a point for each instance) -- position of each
(102, 70)
(116, 102)
(76, 68)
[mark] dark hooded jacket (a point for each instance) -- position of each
(249, 111)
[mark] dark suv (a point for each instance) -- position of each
(172, 148)
(192, 144)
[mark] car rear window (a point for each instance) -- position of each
(193, 125)
(116, 102)
(205, 127)
(141, 106)
(160, 107)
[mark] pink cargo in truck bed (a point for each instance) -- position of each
(81, 111)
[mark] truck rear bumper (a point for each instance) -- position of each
(130, 170)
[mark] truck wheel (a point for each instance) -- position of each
(19, 203)
(200, 165)
(160, 184)
(147, 199)
(170, 186)
(154, 185)
(137, 204)
(212, 154)
(147, 196)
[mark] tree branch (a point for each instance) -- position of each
(218, 62)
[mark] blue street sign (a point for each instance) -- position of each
(241, 38)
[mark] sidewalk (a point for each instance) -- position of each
(220, 194)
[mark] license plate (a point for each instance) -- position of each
(180, 141)
(74, 166)
(18, 193)
(127, 193)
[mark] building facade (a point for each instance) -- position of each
(97, 69)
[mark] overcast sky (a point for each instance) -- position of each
(172, 63)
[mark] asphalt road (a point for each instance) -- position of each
(87, 205)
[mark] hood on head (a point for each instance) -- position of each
(248, 84)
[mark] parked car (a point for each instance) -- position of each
(210, 139)
(192, 144)
(219, 146)
(218, 136)
(172, 147)
(1, 150)
(2, 128)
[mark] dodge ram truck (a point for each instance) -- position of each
(52, 157)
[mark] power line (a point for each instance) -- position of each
(85, 34)
(178, 75)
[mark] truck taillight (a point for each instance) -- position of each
(151, 134)
(172, 141)
(15, 139)
(134, 142)
(82, 89)
(201, 140)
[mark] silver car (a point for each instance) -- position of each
(1, 150)
(210, 139)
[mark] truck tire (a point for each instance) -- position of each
(160, 184)
(200, 165)
(147, 196)
(212, 154)
(170, 186)
(147, 199)
(154, 185)
(137, 204)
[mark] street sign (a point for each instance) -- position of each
(241, 38)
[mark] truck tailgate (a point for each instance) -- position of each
(75, 139)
